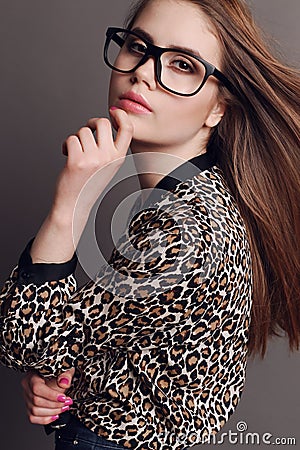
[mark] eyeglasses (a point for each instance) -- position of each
(178, 71)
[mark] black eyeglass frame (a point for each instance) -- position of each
(156, 52)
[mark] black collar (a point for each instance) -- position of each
(185, 171)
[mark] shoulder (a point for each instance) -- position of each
(203, 201)
(198, 220)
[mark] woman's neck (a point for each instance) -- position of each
(153, 163)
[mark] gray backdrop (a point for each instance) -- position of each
(52, 80)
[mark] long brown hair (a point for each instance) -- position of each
(258, 150)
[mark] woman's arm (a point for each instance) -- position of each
(167, 282)
(43, 281)
(55, 241)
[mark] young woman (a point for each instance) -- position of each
(208, 266)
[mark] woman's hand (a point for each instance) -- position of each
(46, 399)
(87, 155)
(91, 164)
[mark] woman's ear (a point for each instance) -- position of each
(215, 115)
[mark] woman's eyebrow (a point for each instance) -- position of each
(143, 34)
(186, 49)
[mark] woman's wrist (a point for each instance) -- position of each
(54, 242)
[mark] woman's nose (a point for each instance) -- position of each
(145, 74)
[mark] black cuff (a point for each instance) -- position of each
(40, 273)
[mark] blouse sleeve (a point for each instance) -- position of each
(32, 317)
(155, 289)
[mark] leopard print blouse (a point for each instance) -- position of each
(159, 338)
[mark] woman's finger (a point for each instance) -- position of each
(40, 402)
(72, 147)
(46, 412)
(103, 132)
(36, 420)
(35, 387)
(86, 139)
(91, 123)
(125, 130)
(40, 390)
(64, 380)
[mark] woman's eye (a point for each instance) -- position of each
(183, 65)
(137, 47)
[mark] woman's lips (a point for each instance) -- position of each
(133, 103)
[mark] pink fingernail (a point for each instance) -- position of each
(61, 398)
(65, 408)
(112, 108)
(64, 381)
(55, 417)
(69, 402)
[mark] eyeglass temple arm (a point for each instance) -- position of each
(224, 80)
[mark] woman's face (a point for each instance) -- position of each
(174, 122)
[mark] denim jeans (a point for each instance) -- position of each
(75, 436)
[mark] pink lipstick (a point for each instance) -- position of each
(132, 102)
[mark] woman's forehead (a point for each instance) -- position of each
(180, 23)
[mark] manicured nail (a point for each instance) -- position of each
(65, 408)
(69, 402)
(112, 108)
(55, 417)
(61, 398)
(64, 381)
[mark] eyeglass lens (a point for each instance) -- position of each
(179, 72)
